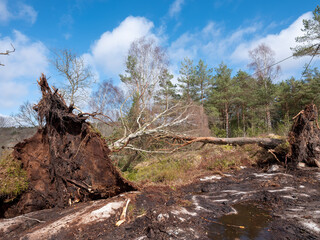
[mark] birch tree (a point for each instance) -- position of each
(262, 61)
(77, 74)
(146, 68)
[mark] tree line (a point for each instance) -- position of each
(235, 103)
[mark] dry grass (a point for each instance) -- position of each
(183, 167)
(13, 179)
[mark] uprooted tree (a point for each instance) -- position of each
(65, 161)
(304, 137)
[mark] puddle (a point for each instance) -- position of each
(250, 222)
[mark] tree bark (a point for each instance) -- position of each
(268, 143)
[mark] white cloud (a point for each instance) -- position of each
(280, 43)
(110, 50)
(4, 13)
(213, 45)
(19, 11)
(21, 69)
(209, 43)
(26, 12)
(175, 7)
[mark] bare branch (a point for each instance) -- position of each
(7, 52)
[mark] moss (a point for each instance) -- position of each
(13, 179)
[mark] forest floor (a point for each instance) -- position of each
(241, 204)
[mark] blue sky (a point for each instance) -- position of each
(102, 31)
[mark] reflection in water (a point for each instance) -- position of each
(250, 222)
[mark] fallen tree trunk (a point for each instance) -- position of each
(267, 143)
(66, 161)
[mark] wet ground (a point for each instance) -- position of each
(246, 204)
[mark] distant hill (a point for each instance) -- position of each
(12, 135)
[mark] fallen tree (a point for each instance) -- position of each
(66, 161)
(268, 143)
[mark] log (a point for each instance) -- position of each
(267, 143)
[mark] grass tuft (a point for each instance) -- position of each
(13, 179)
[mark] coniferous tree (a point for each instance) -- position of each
(244, 89)
(167, 90)
(187, 80)
(221, 94)
(311, 38)
(202, 78)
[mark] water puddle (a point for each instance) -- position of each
(250, 222)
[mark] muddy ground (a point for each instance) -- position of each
(245, 204)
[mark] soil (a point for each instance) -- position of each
(288, 200)
(66, 161)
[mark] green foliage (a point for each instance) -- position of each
(13, 179)
(218, 132)
(202, 78)
(187, 80)
(311, 37)
(222, 90)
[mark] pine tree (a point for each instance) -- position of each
(187, 80)
(222, 93)
(202, 78)
(311, 38)
(168, 91)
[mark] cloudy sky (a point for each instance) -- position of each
(102, 31)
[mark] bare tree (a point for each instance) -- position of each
(107, 100)
(146, 64)
(3, 122)
(262, 63)
(26, 116)
(78, 75)
(7, 52)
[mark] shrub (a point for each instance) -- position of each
(13, 179)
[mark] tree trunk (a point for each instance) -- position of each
(227, 119)
(268, 143)
(268, 117)
(243, 121)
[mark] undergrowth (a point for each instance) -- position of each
(182, 167)
(13, 179)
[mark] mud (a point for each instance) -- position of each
(287, 203)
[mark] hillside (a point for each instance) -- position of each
(11, 136)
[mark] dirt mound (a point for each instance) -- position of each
(66, 161)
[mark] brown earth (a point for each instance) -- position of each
(66, 161)
(289, 199)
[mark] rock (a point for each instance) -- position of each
(274, 168)
(162, 217)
